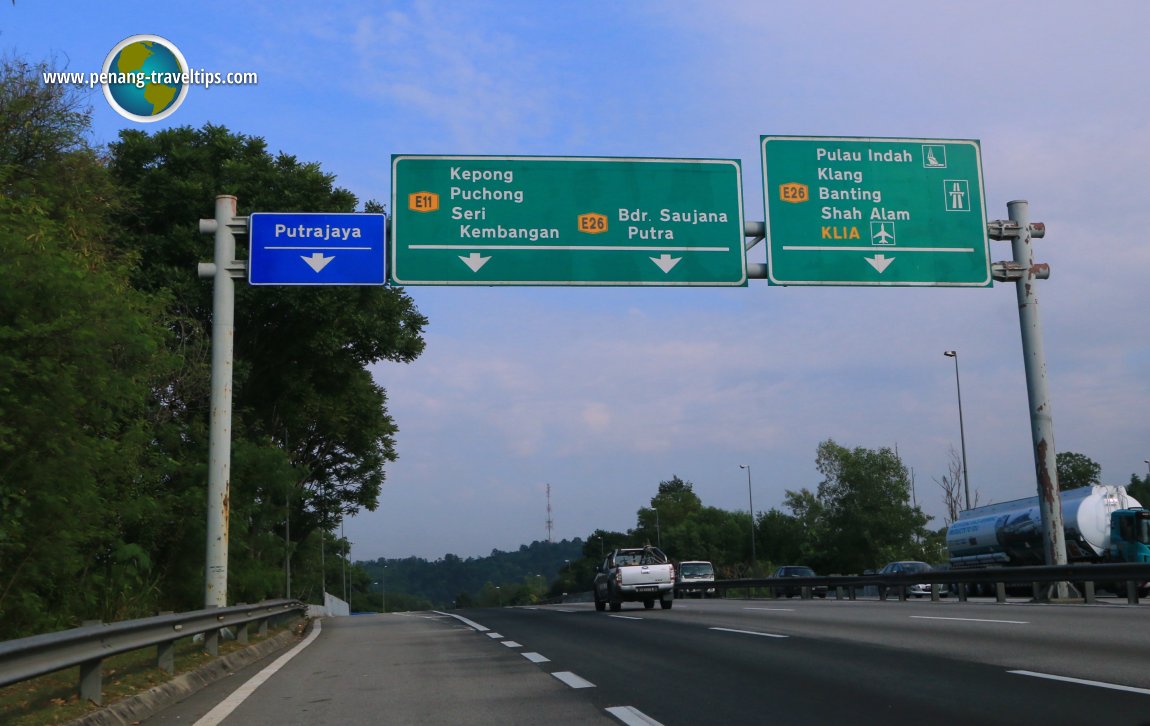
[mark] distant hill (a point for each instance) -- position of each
(447, 581)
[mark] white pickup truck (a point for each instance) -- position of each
(637, 574)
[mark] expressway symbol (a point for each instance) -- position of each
(957, 195)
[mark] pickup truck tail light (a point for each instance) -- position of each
(672, 573)
(618, 577)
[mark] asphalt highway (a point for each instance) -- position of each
(712, 661)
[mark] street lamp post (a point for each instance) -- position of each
(961, 429)
(751, 502)
(382, 592)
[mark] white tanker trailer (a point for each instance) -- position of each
(1102, 524)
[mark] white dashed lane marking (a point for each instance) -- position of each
(749, 632)
(573, 680)
(632, 716)
(777, 610)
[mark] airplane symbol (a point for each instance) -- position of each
(882, 237)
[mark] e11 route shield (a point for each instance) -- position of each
(874, 212)
(316, 248)
(515, 220)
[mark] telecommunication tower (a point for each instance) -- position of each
(549, 522)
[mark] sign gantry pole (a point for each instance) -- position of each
(1023, 271)
(286, 248)
(222, 271)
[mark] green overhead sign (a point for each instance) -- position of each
(493, 220)
(874, 211)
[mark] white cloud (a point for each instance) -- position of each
(605, 392)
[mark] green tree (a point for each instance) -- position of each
(1139, 488)
(81, 356)
(709, 534)
(864, 517)
(809, 528)
(784, 539)
(40, 124)
(311, 431)
(674, 504)
(1076, 470)
(676, 501)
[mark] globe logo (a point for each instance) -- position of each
(147, 78)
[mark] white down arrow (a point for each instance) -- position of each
(317, 261)
(666, 262)
(879, 262)
(474, 261)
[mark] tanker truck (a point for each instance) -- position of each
(1101, 523)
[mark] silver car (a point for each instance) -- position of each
(903, 567)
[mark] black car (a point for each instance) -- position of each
(904, 567)
(797, 571)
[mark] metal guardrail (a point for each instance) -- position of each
(88, 645)
(1131, 577)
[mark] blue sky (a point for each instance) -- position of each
(604, 392)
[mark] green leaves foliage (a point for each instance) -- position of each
(1076, 470)
(311, 431)
(80, 354)
(865, 517)
(859, 518)
(1139, 488)
(105, 362)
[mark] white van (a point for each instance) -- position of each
(695, 578)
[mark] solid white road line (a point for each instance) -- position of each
(225, 707)
(632, 716)
(625, 617)
(465, 621)
(1099, 684)
(749, 632)
(573, 680)
(972, 620)
(535, 657)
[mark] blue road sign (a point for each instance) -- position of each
(316, 248)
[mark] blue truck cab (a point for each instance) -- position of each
(1130, 535)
